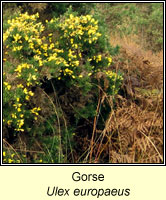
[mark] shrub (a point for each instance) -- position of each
(69, 53)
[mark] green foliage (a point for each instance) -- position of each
(143, 19)
(58, 9)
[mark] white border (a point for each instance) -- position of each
(141, 164)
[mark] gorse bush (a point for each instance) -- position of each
(19, 40)
(69, 53)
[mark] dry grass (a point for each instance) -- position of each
(136, 125)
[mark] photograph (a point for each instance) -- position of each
(82, 83)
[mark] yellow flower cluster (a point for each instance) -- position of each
(27, 93)
(112, 75)
(18, 106)
(24, 23)
(74, 29)
(98, 58)
(109, 60)
(20, 123)
(21, 67)
(35, 111)
(79, 27)
(58, 60)
(18, 115)
(31, 78)
(28, 30)
(11, 158)
(114, 78)
(7, 85)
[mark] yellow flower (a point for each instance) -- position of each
(31, 45)
(26, 38)
(10, 160)
(20, 123)
(31, 93)
(71, 40)
(51, 46)
(76, 46)
(76, 62)
(38, 108)
(71, 16)
(25, 91)
(99, 57)
(9, 87)
(12, 155)
(98, 34)
(109, 60)
(96, 22)
(34, 111)
(9, 122)
(5, 83)
(19, 109)
(88, 17)
(29, 83)
(51, 21)
(17, 37)
(27, 97)
(20, 86)
(19, 68)
(4, 153)
(34, 77)
(21, 115)
(37, 15)
(40, 63)
(14, 115)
